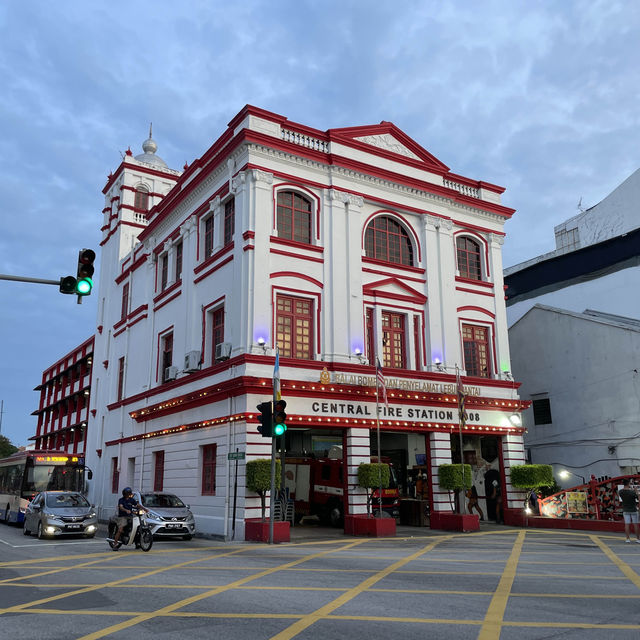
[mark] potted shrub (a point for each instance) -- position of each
(530, 477)
(372, 476)
(258, 480)
(455, 477)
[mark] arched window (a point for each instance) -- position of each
(385, 239)
(294, 217)
(141, 199)
(469, 264)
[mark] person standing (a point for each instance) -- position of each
(496, 495)
(629, 499)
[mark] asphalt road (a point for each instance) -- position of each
(500, 583)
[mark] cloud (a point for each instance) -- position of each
(538, 97)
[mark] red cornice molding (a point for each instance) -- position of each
(303, 246)
(216, 256)
(221, 264)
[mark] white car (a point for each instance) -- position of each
(168, 515)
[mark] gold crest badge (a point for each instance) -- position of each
(325, 378)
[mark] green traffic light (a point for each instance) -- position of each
(279, 428)
(84, 286)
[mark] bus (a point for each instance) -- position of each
(26, 473)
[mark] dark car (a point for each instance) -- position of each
(168, 515)
(58, 513)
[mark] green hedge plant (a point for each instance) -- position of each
(372, 476)
(532, 476)
(259, 479)
(454, 477)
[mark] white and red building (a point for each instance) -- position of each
(63, 410)
(333, 246)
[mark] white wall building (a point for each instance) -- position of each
(581, 372)
(333, 245)
(579, 367)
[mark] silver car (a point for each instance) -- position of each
(58, 513)
(168, 515)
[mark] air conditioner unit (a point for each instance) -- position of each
(223, 351)
(191, 361)
(170, 373)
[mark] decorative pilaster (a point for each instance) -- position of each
(358, 452)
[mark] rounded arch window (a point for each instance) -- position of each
(386, 239)
(469, 261)
(141, 200)
(294, 216)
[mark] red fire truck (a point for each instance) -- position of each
(317, 487)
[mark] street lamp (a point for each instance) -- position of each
(515, 420)
(564, 473)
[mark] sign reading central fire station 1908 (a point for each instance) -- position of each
(409, 413)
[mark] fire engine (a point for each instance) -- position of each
(317, 487)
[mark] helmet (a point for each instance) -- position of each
(126, 491)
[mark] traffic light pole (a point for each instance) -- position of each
(273, 477)
(25, 279)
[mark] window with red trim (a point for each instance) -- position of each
(386, 239)
(229, 221)
(164, 271)
(120, 378)
(158, 470)
(468, 253)
(371, 349)
(125, 301)
(217, 330)
(167, 354)
(115, 475)
(393, 340)
(294, 327)
(179, 261)
(208, 237)
(416, 340)
(209, 469)
(475, 341)
(294, 217)
(141, 199)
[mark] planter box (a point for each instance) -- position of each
(363, 525)
(455, 521)
(257, 531)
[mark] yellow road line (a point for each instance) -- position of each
(182, 603)
(495, 613)
(60, 596)
(623, 566)
(309, 619)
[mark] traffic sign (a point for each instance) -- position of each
(235, 455)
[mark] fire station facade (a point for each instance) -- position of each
(335, 246)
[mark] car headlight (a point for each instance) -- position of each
(154, 515)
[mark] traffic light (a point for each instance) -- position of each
(265, 419)
(67, 284)
(84, 283)
(279, 417)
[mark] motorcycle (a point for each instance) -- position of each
(135, 533)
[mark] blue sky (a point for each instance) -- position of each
(539, 97)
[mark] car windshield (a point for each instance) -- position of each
(161, 500)
(66, 500)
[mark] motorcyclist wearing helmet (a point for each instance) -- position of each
(126, 506)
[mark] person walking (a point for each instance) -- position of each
(629, 499)
(472, 495)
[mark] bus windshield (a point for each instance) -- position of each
(49, 477)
